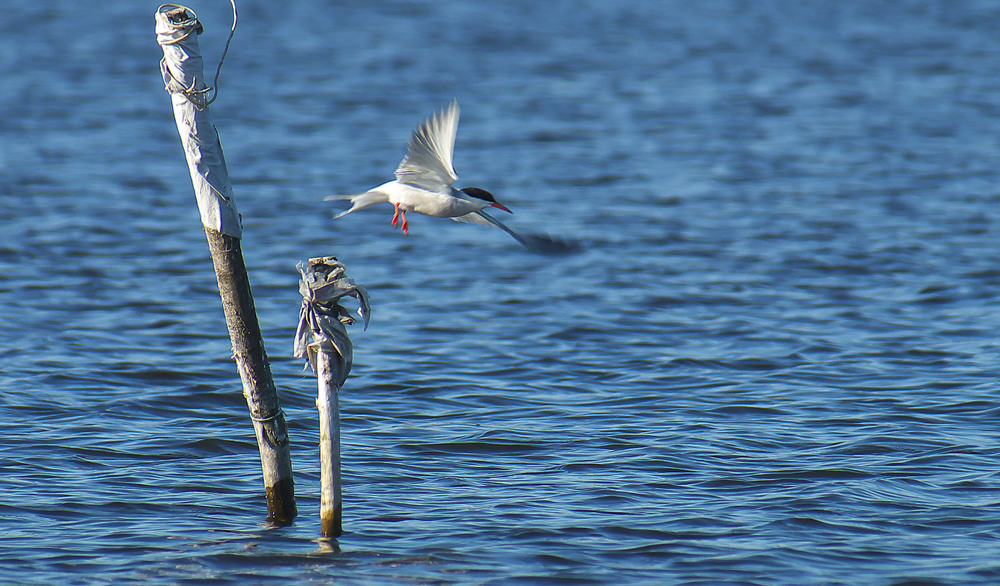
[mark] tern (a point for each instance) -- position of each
(426, 177)
(425, 183)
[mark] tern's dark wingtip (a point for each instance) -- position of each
(545, 245)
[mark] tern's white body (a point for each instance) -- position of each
(424, 201)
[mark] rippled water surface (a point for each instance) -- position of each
(774, 361)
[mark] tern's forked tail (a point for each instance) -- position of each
(360, 201)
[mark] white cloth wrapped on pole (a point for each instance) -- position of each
(177, 30)
(322, 319)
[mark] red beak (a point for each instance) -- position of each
(501, 206)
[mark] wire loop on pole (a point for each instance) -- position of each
(277, 414)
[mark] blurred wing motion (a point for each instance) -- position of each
(536, 243)
(428, 161)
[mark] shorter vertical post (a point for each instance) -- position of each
(331, 507)
(322, 338)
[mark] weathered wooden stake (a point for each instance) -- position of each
(322, 338)
(331, 506)
(177, 28)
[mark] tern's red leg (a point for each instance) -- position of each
(395, 216)
(405, 226)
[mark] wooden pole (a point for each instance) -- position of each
(177, 28)
(331, 506)
(322, 338)
(255, 374)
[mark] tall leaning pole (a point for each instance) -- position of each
(177, 30)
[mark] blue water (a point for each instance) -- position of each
(774, 361)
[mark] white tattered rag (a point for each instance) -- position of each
(322, 319)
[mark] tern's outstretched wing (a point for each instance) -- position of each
(428, 161)
(537, 243)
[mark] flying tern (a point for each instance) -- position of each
(425, 182)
